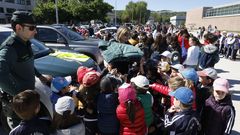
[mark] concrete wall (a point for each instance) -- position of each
(195, 19)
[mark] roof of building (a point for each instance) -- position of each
(228, 4)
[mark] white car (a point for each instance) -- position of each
(111, 30)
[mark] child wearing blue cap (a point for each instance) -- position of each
(60, 87)
(180, 118)
(191, 79)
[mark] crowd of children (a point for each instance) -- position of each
(157, 94)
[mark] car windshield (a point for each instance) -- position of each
(4, 35)
(74, 36)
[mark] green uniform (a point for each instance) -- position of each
(17, 71)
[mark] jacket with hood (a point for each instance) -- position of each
(233, 43)
(138, 127)
(218, 116)
(208, 56)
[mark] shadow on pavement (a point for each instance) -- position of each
(221, 71)
(235, 95)
(233, 82)
(235, 133)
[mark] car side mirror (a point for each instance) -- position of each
(51, 50)
(61, 40)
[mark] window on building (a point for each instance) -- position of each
(1, 10)
(21, 10)
(10, 1)
(28, 2)
(229, 10)
(21, 2)
(10, 10)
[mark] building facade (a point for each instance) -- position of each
(7, 7)
(178, 20)
(224, 17)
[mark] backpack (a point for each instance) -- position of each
(208, 60)
(175, 59)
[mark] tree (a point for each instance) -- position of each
(78, 10)
(136, 12)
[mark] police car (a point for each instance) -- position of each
(50, 62)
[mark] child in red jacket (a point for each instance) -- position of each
(130, 112)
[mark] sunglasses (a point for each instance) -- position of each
(30, 27)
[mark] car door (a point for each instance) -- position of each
(51, 38)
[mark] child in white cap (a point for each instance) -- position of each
(166, 56)
(219, 113)
(65, 121)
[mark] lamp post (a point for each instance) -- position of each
(56, 9)
(132, 15)
(115, 13)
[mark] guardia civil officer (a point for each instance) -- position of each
(17, 71)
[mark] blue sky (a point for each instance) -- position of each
(175, 5)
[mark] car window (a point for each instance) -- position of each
(4, 35)
(71, 35)
(48, 35)
(38, 48)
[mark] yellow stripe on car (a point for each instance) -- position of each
(71, 56)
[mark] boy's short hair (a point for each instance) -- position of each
(25, 103)
(176, 82)
(211, 38)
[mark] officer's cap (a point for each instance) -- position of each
(23, 17)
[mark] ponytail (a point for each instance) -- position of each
(131, 110)
(189, 84)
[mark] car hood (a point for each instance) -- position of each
(61, 66)
(89, 42)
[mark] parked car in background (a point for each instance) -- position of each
(47, 61)
(101, 32)
(61, 37)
